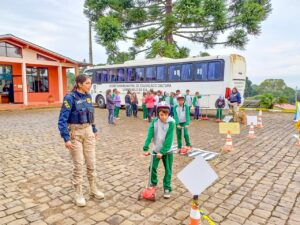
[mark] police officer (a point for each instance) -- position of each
(77, 128)
(234, 103)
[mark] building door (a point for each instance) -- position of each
(18, 88)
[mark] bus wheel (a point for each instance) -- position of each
(100, 101)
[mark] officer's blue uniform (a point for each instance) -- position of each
(77, 108)
(235, 97)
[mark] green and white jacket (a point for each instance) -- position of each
(162, 134)
(182, 114)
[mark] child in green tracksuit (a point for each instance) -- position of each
(162, 131)
(182, 119)
(196, 104)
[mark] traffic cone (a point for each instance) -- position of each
(228, 145)
(259, 120)
(251, 131)
(195, 215)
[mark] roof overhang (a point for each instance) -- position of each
(26, 44)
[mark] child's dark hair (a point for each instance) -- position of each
(164, 110)
(108, 91)
(80, 79)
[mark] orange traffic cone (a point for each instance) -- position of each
(259, 120)
(228, 145)
(251, 131)
(195, 216)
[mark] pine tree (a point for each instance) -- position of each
(154, 26)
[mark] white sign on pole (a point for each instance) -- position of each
(197, 176)
(251, 119)
(227, 119)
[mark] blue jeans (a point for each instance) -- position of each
(197, 112)
(150, 113)
(128, 113)
(135, 110)
(172, 111)
(111, 116)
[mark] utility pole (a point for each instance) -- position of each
(90, 44)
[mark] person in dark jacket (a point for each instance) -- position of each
(77, 128)
(234, 103)
(128, 104)
(110, 105)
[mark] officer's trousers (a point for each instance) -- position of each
(168, 162)
(235, 110)
(83, 140)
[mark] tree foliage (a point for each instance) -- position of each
(154, 26)
(267, 100)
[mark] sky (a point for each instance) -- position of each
(61, 26)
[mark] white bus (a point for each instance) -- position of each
(211, 76)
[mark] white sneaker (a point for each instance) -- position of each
(79, 198)
(167, 194)
(95, 192)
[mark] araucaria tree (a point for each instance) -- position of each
(155, 26)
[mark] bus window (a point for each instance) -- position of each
(121, 74)
(113, 75)
(215, 71)
(161, 73)
(140, 73)
(187, 70)
(151, 73)
(201, 71)
(174, 72)
(104, 76)
(130, 74)
(97, 77)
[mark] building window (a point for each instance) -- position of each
(44, 58)
(37, 79)
(9, 50)
(5, 77)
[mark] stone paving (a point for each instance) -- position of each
(259, 182)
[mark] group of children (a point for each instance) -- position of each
(151, 99)
(165, 113)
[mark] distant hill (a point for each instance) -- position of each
(276, 87)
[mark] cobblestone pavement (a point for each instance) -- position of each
(258, 183)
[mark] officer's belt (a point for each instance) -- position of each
(79, 126)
